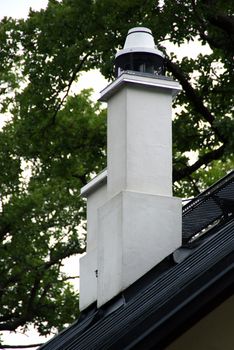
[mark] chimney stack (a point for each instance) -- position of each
(133, 220)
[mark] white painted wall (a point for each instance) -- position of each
(88, 279)
(95, 200)
(139, 137)
(96, 193)
(110, 245)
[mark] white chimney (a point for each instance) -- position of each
(133, 220)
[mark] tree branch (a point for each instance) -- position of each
(203, 160)
(78, 68)
(194, 184)
(4, 346)
(28, 308)
(57, 259)
(220, 21)
(12, 325)
(4, 228)
(223, 22)
(68, 278)
(194, 97)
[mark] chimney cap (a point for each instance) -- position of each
(140, 54)
(139, 39)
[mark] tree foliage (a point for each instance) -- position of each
(55, 141)
(42, 213)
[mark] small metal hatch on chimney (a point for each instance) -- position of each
(133, 222)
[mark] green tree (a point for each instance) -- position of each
(42, 213)
(60, 137)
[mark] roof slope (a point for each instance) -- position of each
(173, 295)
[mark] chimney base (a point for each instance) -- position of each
(135, 232)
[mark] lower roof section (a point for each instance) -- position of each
(176, 293)
(156, 309)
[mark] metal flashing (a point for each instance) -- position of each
(93, 184)
(140, 79)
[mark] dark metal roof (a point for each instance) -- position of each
(211, 205)
(155, 309)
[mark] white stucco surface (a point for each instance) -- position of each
(96, 193)
(110, 249)
(139, 140)
(94, 201)
(136, 231)
(88, 279)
